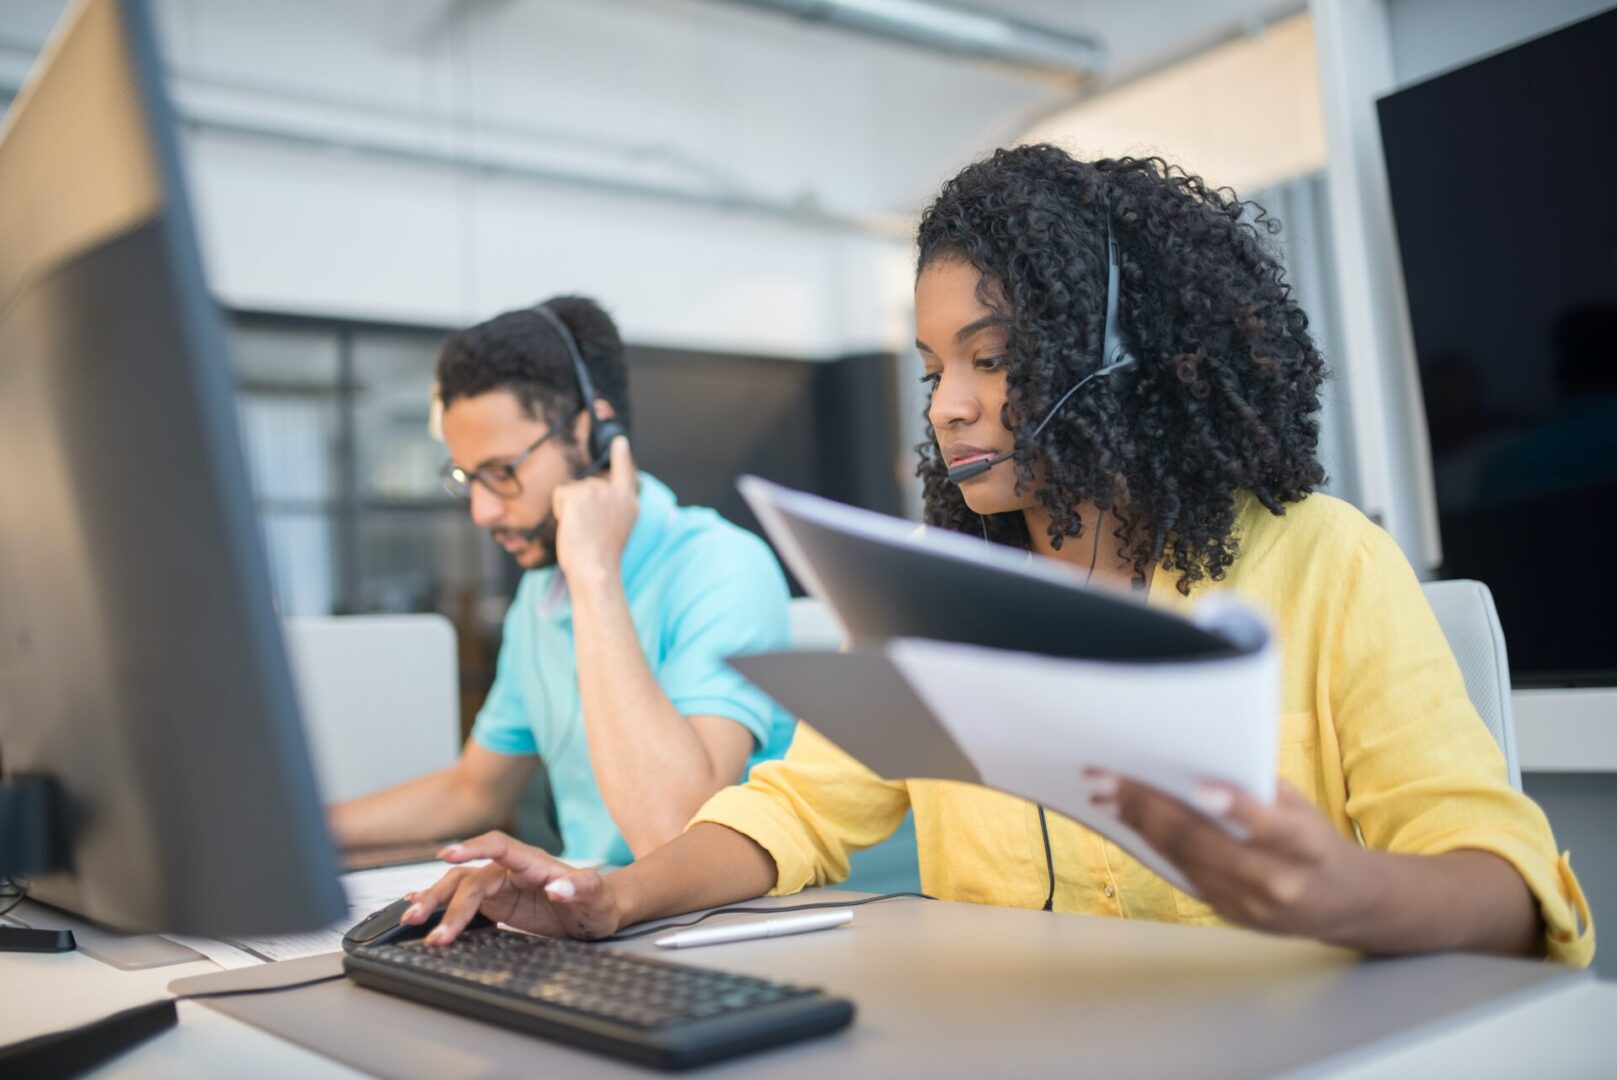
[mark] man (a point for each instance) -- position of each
(612, 666)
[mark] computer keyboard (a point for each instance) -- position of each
(669, 1016)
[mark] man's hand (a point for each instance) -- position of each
(522, 887)
(595, 517)
(1293, 873)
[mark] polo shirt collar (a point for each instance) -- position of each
(657, 511)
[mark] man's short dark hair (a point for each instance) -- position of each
(519, 351)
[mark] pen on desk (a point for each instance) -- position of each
(766, 928)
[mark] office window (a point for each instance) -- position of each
(345, 478)
(415, 547)
(289, 406)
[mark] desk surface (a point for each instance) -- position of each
(949, 989)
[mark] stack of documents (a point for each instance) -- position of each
(972, 662)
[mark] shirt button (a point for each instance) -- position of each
(1109, 891)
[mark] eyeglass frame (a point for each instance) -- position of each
(458, 482)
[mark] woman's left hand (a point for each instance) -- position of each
(1286, 870)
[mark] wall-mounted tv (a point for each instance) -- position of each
(1504, 187)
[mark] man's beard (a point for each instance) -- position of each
(544, 534)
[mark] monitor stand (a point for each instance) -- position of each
(126, 952)
(31, 842)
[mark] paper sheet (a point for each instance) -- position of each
(972, 662)
(222, 953)
(1030, 725)
(367, 890)
(1033, 724)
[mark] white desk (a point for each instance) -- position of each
(1566, 1031)
(40, 993)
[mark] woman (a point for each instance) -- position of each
(1186, 472)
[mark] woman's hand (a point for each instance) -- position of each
(1286, 870)
(522, 887)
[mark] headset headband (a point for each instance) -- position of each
(570, 343)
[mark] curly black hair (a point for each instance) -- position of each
(519, 351)
(1226, 390)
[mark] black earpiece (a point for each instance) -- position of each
(1114, 357)
(598, 442)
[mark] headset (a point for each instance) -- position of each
(598, 440)
(1114, 357)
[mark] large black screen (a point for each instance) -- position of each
(1504, 187)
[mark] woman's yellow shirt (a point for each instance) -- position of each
(1376, 729)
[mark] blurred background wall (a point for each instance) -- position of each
(736, 184)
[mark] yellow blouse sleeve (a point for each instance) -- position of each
(1424, 775)
(810, 810)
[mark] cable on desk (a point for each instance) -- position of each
(316, 981)
(660, 927)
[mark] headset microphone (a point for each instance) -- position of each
(598, 441)
(1114, 354)
(977, 468)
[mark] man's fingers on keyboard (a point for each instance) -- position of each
(474, 888)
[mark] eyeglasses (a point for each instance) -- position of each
(500, 479)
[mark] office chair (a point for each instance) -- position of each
(1466, 613)
(380, 696)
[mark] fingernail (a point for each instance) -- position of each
(1110, 809)
(561, 890)
(1214, 801)
(450, 852)
(414, 911)
(1103, 785)
(437, 937)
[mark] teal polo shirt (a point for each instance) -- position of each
(699, 589)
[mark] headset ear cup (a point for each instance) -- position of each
(602, 432)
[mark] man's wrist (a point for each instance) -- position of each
(593, 578)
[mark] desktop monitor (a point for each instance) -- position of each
(141, 666)
(1501, 180)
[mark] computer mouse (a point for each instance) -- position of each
(384, 928)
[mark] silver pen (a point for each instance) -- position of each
(764, 928)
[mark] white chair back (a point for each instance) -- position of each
(1466, 613)
(379, 695)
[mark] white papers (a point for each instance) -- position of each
(1032, 724)
(967, 665)
(367, 890)
(222, 953)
